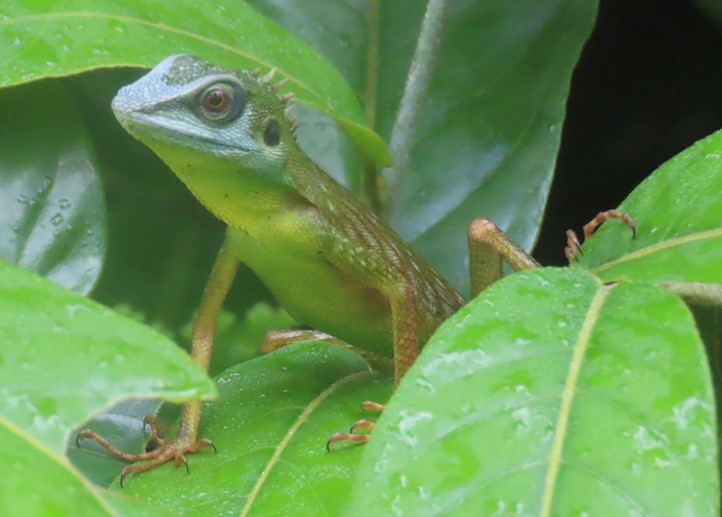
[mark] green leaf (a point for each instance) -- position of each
(270, 425)
(713, 8)
(678, 216)
(490, 125)
(494, 126)
(64, 358)
(52, 211)
(36, 481)
(551, 394)
(55, 38)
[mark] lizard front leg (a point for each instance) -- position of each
(186, 440)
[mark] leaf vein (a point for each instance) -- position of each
(286, 440)
(660, 246)
(570, 388)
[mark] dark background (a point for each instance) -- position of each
(648, 85)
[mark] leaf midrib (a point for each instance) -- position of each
(660, 246)
(570, 388)
(160, 26)
(60, 460)
(286, 440)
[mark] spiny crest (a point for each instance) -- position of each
(280, 84)
(284, 98)
(269, 76)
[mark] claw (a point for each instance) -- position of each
(181, 458)
(346, 437)
(208, 443)
(362, 424)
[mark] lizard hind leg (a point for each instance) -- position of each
(406, 350)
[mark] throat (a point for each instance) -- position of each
(238, 200)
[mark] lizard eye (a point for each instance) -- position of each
(216, 100)
(222, 102)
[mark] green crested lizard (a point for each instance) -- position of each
(324, 255)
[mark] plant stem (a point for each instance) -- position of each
(370, 176)
(419, 72)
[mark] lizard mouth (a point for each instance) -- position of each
(143, 126)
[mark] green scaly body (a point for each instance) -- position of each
(325, 257)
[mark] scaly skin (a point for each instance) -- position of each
(326, 258)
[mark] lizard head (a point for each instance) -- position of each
(195, 115)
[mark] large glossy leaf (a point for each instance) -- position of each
(270, 425)
(53, 38)
(52, 212)
(567, 400)
(489, 129)
(64, 358)
(162, 241)
(37, 483)
(678, 215)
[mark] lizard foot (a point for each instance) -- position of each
(352, 435)
(573, 244)
(174, 449)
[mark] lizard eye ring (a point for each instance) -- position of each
(221, 102)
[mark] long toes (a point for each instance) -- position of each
(137, 468)
(201, 444)
(372, 406)
(362, 424)
(346, 437)
(85, 433)
(180, 459)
